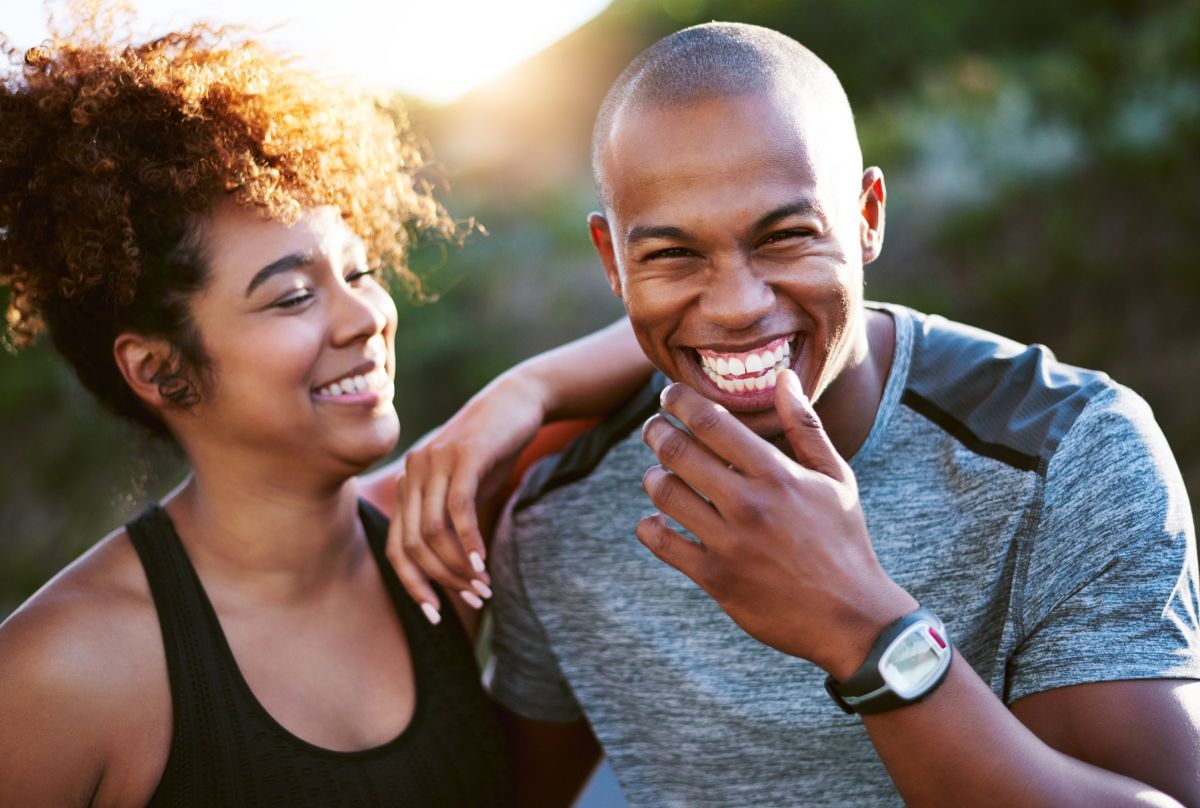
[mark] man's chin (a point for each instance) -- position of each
(764, 423)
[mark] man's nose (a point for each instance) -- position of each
(736, 297)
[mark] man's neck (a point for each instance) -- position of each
(849, 406)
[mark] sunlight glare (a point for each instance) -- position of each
(436, 50)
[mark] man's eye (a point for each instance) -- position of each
(670, 252)
(787, 235)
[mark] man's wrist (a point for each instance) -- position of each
(860, 626)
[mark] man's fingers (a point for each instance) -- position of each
(670, 547)
(804, 430)
(679, 501)
(714, 426)
(688, 458)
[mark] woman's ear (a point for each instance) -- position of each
(144, 361)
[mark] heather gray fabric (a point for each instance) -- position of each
(1034, 506)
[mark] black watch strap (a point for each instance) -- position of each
(866, 692)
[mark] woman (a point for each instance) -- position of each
(199, 225)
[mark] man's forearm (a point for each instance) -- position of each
(962, 746)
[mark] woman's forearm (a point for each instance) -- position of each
(589, 376)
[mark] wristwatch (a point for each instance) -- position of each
(907, 663)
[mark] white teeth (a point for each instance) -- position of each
(352, 385)
(763, 368)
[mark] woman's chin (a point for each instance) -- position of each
(369, 446)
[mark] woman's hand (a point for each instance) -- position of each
(448, 479)
(457, 473)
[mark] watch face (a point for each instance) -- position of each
(914, 659)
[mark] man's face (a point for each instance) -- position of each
(735, 238)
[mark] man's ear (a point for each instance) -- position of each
(143, 361)
(871, 205)
(601, 236)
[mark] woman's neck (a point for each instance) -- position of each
(257, 534)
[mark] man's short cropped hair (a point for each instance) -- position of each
(714, 60)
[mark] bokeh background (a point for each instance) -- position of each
(1043, 164)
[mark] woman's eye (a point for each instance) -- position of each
(359, 274)
(293, 301)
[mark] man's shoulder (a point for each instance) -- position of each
(1003, 399)
(581, 458)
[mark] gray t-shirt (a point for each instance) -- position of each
(1034, 506)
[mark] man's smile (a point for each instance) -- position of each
(745, 379)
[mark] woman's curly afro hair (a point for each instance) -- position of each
(111, 149)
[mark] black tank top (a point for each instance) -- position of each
(226, 750)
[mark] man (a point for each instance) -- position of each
(842, 464)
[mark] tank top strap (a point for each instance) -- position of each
(203, 689)
(421, 634)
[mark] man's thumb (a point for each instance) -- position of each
(803, 427)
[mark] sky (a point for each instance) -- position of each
(434, 49)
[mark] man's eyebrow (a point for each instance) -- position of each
(804, 207)
(288, 262)
(645, 233)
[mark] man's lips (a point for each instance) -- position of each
(747, 375)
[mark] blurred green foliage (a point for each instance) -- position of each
(1041, 159)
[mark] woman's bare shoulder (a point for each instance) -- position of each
(98, 605)
(82, 670)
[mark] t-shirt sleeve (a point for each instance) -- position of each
(525, 675)
(1109, 591)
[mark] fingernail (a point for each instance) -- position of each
(477, 562)
(431, 613)
(471, 598)
(482, 588)
(646, 424)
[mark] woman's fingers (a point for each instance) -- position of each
(439, 533)
(415, 548)
(461, 497)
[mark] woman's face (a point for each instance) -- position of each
(301, 343)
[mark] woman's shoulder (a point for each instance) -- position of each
(82, 667)
(100, 600)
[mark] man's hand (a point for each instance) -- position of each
(783, 548)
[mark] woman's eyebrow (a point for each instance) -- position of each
(288, 262)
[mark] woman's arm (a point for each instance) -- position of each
(436, 491)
